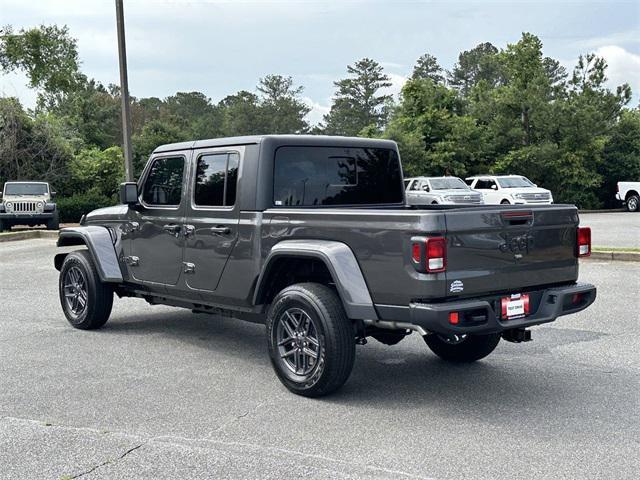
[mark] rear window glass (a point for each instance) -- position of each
(316, 176)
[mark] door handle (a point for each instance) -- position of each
(172, 228)
(220, 230)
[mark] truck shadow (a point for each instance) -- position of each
(406, 377)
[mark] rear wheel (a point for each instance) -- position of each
(462, 348)
(85, 299)
(633, 203)
(311, 341)
(505, 202)
(2, 226)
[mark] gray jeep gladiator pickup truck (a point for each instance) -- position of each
(312, 236)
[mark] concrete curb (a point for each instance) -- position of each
(620, 256)
(28, 235)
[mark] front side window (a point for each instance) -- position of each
(216, 179)
(317, 176)
(163, 186)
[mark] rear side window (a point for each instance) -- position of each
(316, 176)
(216, 179)
(163, 186)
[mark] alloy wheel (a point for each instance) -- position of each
(298, 341)
(75, 291)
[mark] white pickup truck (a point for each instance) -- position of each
(629, 194)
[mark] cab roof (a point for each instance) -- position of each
(316, 140)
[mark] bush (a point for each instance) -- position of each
(72, 208)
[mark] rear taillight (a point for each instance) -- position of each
(584, 241)
(436, 260)
(429, 254)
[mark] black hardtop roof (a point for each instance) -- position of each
(299, 140)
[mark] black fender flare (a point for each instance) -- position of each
(100, 245)
(341, 263)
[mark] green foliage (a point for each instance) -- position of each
(103, 169)
(33, 147)
(509, 110)
(281, 107)
(427, 67)
(358, 103)
(47, 54)
(73, 207)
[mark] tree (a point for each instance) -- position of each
(480, 64)
(102, 170)
(282, 109)
(241, 114)
(46, 54)
(427, 67)
(33, 148)
(358, 103)
(154, 134)
(91, 109)
(434, 138)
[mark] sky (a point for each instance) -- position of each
(219, 47)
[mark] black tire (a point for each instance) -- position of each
(469, 349)
(633, 203)
(54, 223)
(505, 202)
(98, 296)
(326, 323)
(2, 227)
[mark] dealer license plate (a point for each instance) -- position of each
(515, 306)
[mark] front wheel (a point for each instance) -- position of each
(86, 301)
(311, 341)
(633, 203)
(505, 202)
(462, 348)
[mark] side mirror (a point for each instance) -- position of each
(536, 186)
(129, 193)
(425, 188)
(494, 187)
(53, 194)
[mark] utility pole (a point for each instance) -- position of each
(124, 94)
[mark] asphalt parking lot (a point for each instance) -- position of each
(163, 393)
(613, 229)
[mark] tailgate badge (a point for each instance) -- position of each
(456, 286)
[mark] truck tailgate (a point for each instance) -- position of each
(510, 248)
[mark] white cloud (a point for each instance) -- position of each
(318, 111)
(624, 67)
(397, 82)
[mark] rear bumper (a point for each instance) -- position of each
(479, 316)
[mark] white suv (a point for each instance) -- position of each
(509, 190)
